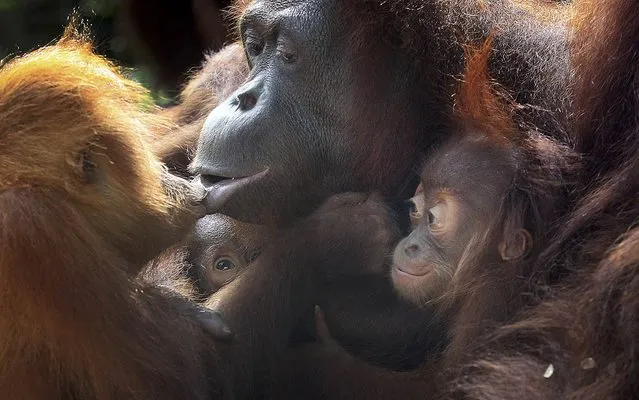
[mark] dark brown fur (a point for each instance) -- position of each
(524, 30)
(220, 75)
(587, 332)
(484, 294)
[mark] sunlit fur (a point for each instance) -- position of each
(83, 205)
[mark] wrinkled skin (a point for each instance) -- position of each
(313, 80)
(333, 105)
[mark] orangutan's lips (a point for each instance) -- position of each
(220, 189)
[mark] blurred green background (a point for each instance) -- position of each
(29, 24)
(161, 41)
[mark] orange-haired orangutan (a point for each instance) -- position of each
(84, 204)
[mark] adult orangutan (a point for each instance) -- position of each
(332, 104)
(580, 340)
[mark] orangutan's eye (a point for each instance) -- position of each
(224, 264)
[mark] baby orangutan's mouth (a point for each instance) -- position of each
(413, 272)
(220, 188)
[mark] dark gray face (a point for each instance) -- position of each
(318, 115)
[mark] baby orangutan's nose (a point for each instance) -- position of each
(412, 249)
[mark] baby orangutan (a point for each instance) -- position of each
(211, 256)
(484, 209)
(221, 248)
(457, 219)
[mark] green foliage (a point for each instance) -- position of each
(6, 5)
(28, 24)
(145, 78)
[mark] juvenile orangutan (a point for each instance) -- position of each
(84, 204)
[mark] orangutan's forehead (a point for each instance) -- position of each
(261, 7)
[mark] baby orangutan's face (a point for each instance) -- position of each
(223, 248)
(425, 261)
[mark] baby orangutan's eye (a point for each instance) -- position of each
(416, 207)
(437, 216)
(224, 264)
